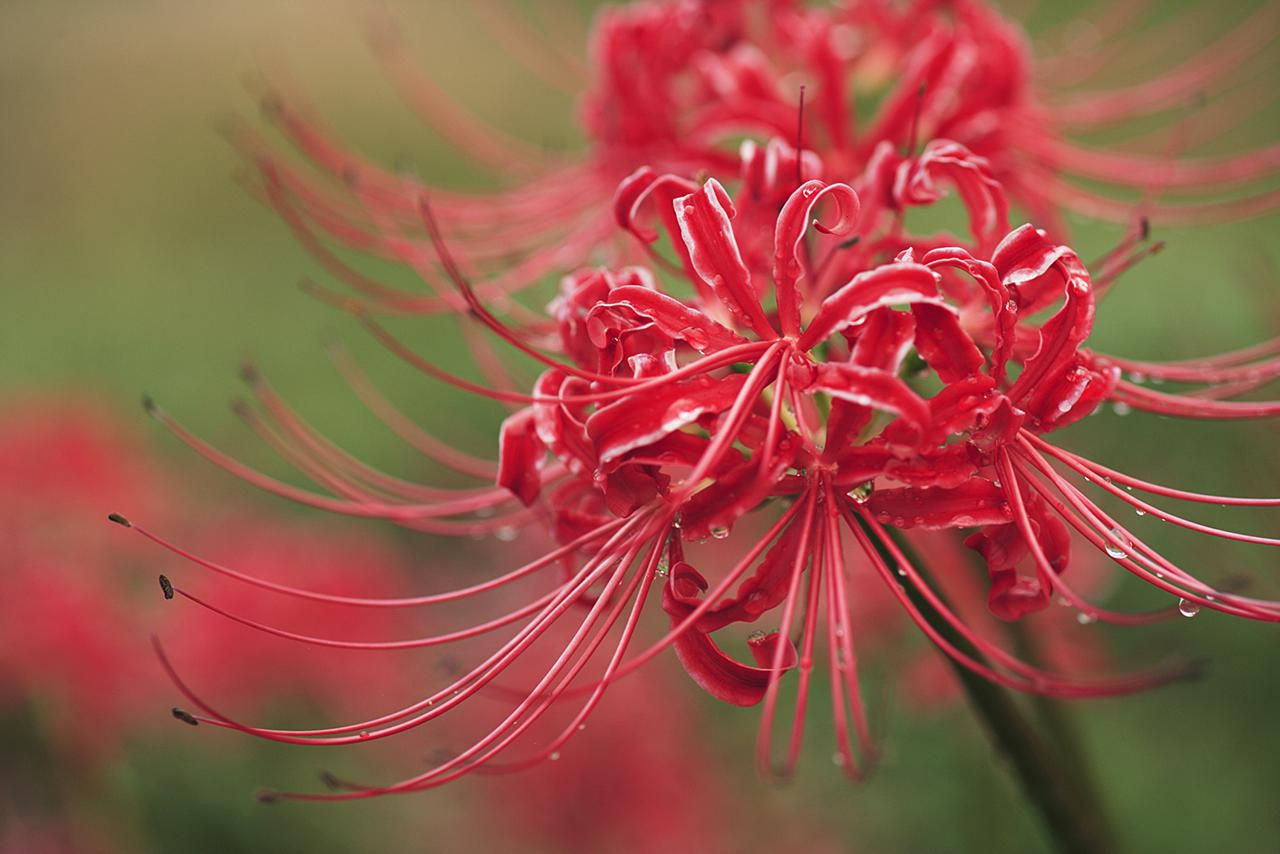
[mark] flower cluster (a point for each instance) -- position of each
(831, 391)
(795, 369)
(675, 84)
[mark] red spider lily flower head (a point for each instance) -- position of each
(674, 86)
(818, 404)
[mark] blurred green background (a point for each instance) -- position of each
(132, 261)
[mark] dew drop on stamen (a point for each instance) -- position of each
(506, 533)
(1139, 511)
(1137, 377)
(1187, 608)
(364, 733)
(1011, 306)
(837, 759)
(1084, 618)
(1113, 548)
(1121, 408)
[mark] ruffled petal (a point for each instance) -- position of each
(889, 284)
(788, 238)
(520, 456)
(720, 675)
(705, 219)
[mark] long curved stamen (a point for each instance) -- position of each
(549, 559)
(764, 744)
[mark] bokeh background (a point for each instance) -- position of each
(132, 261)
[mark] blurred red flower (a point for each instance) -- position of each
(674, 85)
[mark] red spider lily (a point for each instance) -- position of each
(673, 82)
(833, 398)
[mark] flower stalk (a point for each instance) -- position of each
(1041, 750)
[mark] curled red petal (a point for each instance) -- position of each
(873, 388)
(788, 237)
(677, 319)
(1003, 310)
(1033, 268)
(889, 284)
(705, 219)
(720, 675)
(1060, 339)
(645, 417)
(636, 189)
(1013, 595)
(520, 456)
(942, 342)
(972, 177)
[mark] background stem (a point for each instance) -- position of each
(1058, 787)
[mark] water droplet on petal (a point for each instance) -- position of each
(719, 532)
(506, 533)
(581, 727)
(1187, 608)
(837, 759)
(554, 756)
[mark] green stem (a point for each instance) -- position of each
(1069, 807)
(1057, 721)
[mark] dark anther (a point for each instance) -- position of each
(119, 520)
(184, 716)
(166, 587)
